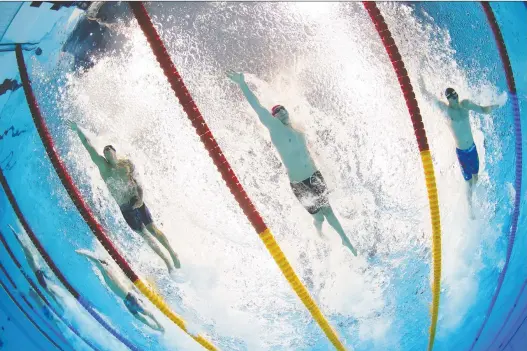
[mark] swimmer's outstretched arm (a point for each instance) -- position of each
(265, 116)
(94, 259)
(429, 96)
(469, 105)
(96, 158)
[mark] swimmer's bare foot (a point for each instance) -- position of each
(347, 243)
(321, 234)
(175, 259)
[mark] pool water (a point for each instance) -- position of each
(326, 64)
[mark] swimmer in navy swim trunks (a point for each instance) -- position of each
(459, 123)
(43, 279)
(123, 289)
(306, 181)
(118, 174)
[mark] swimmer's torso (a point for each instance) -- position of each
(292, 147)
(121, 182)
(459, 123)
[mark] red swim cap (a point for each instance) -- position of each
(276, 108)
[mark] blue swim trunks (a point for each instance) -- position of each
(47, 313)
(469, 161)
(137, 217)
(41, 277)
(132, 303)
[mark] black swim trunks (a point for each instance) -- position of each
(133, 305)
(137, 217)
(41, 277)
(312, 192)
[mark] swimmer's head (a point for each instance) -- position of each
(281, 113)
(451, 95)
(38, 51)
(110, 154)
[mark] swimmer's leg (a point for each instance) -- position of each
(471, 183)
(334, 222)
(154, 324)
(318, 219)
(153, 244)
(158, 234)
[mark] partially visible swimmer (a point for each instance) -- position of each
(118, 174)
(123, 289)
(42, 277)
(306, 180)
(459, 123)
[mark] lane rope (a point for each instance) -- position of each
(509, 315)
(502, 48)
(38, 291)
(228, 175)
(424, 150)
(52, 328)
(53, 266)
(85, 211)
(29, 317)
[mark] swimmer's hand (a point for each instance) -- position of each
(73, 126)
(347, 243)
(353, 251)
(236, 77)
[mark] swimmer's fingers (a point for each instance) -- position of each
(71, 124)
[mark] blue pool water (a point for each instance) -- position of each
(325, 60)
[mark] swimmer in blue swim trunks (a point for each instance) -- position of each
(459, 122)
(123, 289)
(119, 176)
(42, 277)
(306, 181)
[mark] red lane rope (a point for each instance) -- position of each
(34, 239)
(44, 133)
(236, 189)
(53, 267)
(64, 176)
(500, 42)
(198, 122)
(426, 158)
(401, 72)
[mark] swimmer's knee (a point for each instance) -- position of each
(318, 216)
(142, 231)
(151, 227)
